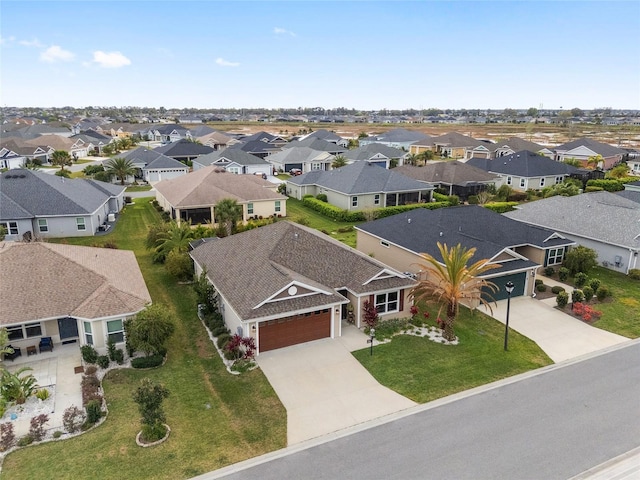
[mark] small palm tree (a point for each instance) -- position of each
(339, 161)
(121, 168)
(175, 238)
(228, 213)
(61, 159)
(450, 282)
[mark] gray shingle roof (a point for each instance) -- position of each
(630, 195)
(365, 152)
(603, 149)
(449, 173)
(183, 148)
(400, 135)
(604, 216)
(233, 155)
(300, 155)
(361, 178)
(251, 267)
(255, 146)
(316, 144)
(523, 164)
(455, 139)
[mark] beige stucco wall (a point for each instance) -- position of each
(266, 209)
(394, 256)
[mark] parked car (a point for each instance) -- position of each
(263, 175)
(295, 171)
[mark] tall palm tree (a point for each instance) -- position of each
(121, 168)
(175, 238)
(228, 213)
(451, 281)
(61, 159)
(339, 161)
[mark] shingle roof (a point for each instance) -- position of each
(365, 152)
(208, 185)
(449, 173)
(516, 144)
(523, 164)
(98, 282)
(455, 139)
(162, 161)
(603, 149)
(42, 194)
(632, 195)
(300, 155)
(255, 146)
(471, 226)
(251, 267)
(400, 135)
(234, 155)
(183, 147)
(316, 144)
(325, 135)
(603, 216)
(360, 178)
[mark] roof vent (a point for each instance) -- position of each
(8, 176)
(408, 220)
(22, 176)
(440, 233)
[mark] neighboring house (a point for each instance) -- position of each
(506, 147)
(216, 140)
(152, 166)
(634, 166)
(519, 249)
(258, 148)
(359, 186)
(397, 138)
(317, 144)
(603, 221)
(303, 158)
(271, 285)
(585, 148)
(525, 170)
(69, 293)
(377, 154)
(183, 150)
(234, 161)
(96, 140)
(327, 136)
(455, 177)
(167, 133)
(34, 204)
(455, 145)
(274, 140)
(193, 197)
(421, 146)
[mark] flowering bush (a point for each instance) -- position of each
(413, 310)
(241, 347)
(586, 312)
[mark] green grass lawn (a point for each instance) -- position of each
(138, 188)
(423, 370)
(216, 418)
(296, 210)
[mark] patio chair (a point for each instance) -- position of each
(46, 344)
(16, 353)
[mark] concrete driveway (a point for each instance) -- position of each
(325, 389)
(561, 336)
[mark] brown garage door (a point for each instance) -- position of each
(287, 331)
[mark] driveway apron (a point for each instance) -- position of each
(325, 389)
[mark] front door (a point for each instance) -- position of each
(68, 328)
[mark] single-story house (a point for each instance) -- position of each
(265, 137)
(519, 249)
(69, 293)
(193, 197)
(34, 204)
(306, 159)
(634, 166)
(327, 136)
(360, 185)
(585, 148)
(397, 138)
(525, 170)
(455, 177)
(234, 161)
(506, 147)
(318, 144)
(454, 145)
(258, 148)
(183, 150)
(153, 166)
(166, 133)
(377, 154)
(603, 221)
(271, 286)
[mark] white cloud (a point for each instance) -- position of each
(226, 63)
(31, 43)
(56, 54)
(282, 31)
(5, 40)
(110, 59)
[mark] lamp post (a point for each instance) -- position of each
(509, 288)
(372, 334)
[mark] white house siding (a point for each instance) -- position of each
(258, 169)
(67, 226)
(608, 253)
(153, 176)
(22, 225)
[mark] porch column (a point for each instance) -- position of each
(213, 218)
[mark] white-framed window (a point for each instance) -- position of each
(559, 180)
(523, 182)
(542, 182)
(555, 256)
(316, 166)
(249, 208)
(12, 227)
(33, 329)
(376, 199)
(15, 333)
(115, 331)
(509, 180)
(384, 244)
(235, 170)
(278, 206)
(88, 333)
(42, 225)
(387, 302)
(80, 224)
(354, 201)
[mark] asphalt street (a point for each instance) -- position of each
(553, 425)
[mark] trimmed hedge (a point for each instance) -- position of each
(609, 185)
(147, 362)
(501, 207)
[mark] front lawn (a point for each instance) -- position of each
(216, 418)
(423, 370)
(138, 188)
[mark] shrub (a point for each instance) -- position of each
(118, 356)
(150, 329)
(111, 349)
(72, 419)
(322, 197)
(557, 289)
(147, 362)
(387, 328)
(580, 259)
(220, 331)
(36, 427)
(473, 200)
(602, 292)
(501, 207)
(24, 441)
(222, 340)
(562, 299)
(563, 274)
(94, 411)
(7, 436)
(580, 279)
(588, 293)
(42, 394)
(577, 296)
(634, 273)
(608, 185)
(440, 197)
(90, 370)
(89, 354)
(179, 265)
(301, 220)
(591, 188)
(517, 197)
(549, 271)
(149, 397)
(453, 200)
(595, 283)
(57, 434)
(538, 282)
(90, 389)
(103, 361)
(586, 312)
(541, 288)
(153, 433)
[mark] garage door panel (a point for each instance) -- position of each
(287, 331)
(518, 279)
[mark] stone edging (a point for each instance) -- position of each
(153, 444)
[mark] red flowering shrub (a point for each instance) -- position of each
(586, 312)
(241, 347)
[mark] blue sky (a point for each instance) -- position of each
(362, 54)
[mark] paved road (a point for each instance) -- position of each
(550, 425)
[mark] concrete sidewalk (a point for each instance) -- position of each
(561, 336)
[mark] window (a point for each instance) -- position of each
(555, 256)
(387, 302)
(542, 182)
(42, 225)
(277, 205)
(12, 227)
(316, 166)
(354, 201)
(115, 331)
(88, 334)
(559, 180)
(33, 329)
(250, 208)
(523, 182)
(384, 244)
(508, 180)
(15, 333)
(80, 224)
(376, 199)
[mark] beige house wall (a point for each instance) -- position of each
(394, 256)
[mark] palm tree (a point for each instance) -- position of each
(228, 213)
(450, 282)
(175, 238)
(339, 161)
(61, 159)
(121, 168)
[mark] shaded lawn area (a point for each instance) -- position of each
(296, 210)
(423, 370)
(138, 188)
(216, 418)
